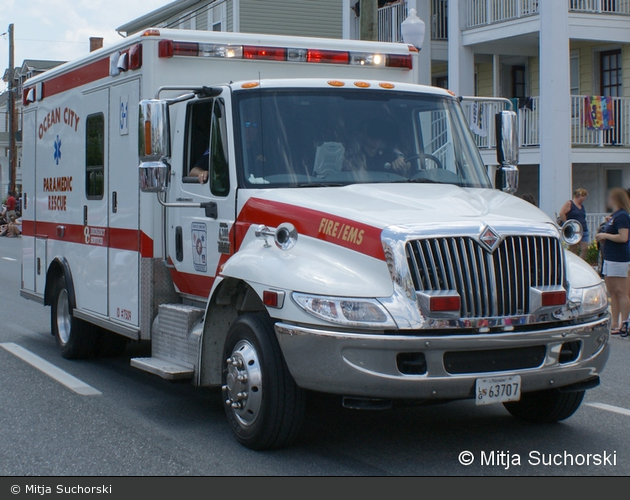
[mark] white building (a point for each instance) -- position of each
(549, 57)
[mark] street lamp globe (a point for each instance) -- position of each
(413, 29)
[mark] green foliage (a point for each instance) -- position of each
(592, 254)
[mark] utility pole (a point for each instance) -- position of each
(12, 118)
(368, 19)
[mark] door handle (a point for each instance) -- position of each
(179, 244)
(212, 211)
(114, 202)
(85, 215)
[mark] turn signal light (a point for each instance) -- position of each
(555, 298)
(447, 303)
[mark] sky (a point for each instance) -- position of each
(60, 29)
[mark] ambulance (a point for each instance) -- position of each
(280, 216)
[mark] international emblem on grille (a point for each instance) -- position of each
(489, 238)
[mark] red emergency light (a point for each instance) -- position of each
(265, 53)
(554, 298)
(327, 56)
(445, 303)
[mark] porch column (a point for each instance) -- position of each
(555, 107)
(423, 9)
(461, 60)
(345, 19)
(496, 75)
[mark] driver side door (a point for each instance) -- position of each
(198, 237)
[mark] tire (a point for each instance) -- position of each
(76, 339)
(265, 410)
(546, 407)
(110, 344)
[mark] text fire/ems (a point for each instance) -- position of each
(57, 184)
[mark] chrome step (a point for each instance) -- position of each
(164, 368)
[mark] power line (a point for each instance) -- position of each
(49, 41)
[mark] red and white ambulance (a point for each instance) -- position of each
(279, 214)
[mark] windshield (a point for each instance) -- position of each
(330, 137)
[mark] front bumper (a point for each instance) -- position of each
(365, 365)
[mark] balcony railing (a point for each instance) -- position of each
(439, 20)
(529, 124)
(482, 12)
(600, 6)
(391, 17)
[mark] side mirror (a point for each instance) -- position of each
(154, 176)
(507, 151)
(154, 130)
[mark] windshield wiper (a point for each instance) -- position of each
(320, 184)
(419, 181)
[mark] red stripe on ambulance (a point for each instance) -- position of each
(337, 230)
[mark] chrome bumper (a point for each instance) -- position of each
(360, 364)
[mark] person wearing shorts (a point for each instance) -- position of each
(614, 237)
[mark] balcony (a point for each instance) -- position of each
(600, 6)
(391, 17)
(529, 124)
(484, 12)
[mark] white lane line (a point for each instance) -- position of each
(63, 377)
(9, 259)
(611, 408)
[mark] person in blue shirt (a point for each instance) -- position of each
(616, 251)
(574, 210)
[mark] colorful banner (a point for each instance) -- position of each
(598, 113)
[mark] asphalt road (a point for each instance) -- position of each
(143, 425)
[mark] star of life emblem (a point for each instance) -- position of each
(489, 238)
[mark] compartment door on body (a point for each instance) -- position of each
(125, 243)
(196, 240)
(29, 272)
(90, 268)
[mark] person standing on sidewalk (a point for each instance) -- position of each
(574, 210)
(614, 237)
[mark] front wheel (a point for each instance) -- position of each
(263, 404)
(76, 339)
(546, 407)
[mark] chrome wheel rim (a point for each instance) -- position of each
(243, 388)
(63, 317)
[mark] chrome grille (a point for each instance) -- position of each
(490, 284)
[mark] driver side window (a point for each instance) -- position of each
(219, 167)
(207, 145)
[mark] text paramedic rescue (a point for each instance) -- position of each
(57, 185)
(37, 489)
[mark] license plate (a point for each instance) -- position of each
(497, 390)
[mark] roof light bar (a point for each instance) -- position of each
(170, 48)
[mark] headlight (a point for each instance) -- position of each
(589, 301)
(365, 313)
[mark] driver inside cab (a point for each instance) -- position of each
(376, 151)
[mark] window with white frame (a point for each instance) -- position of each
(217, 17)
